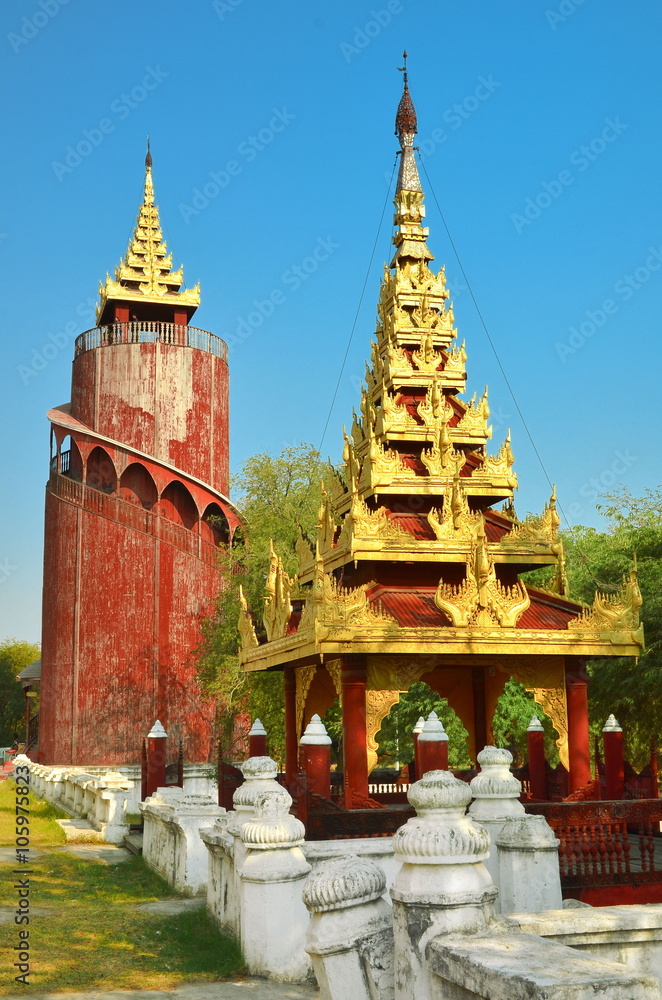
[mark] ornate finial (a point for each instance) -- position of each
(611, 725)
(403, 69)
(405, 119)
(145, 273)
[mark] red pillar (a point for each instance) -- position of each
(612, 738)
(433, 746)
(480, 714)
(316, 752)
(257, 740)
(416, 732)
(291, 744)
(535, 739)
(579, 751)
(156, 758)
(355, 754)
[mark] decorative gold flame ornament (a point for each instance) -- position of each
(145, 272)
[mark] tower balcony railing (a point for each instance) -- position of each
(132, 516)
(149, 332)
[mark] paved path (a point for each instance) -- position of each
(244, 989)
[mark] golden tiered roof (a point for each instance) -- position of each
(410, 555)
(145, 275)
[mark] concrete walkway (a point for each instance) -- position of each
(241, 989)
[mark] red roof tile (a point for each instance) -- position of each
(414, 608)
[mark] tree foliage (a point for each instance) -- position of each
(15, 654)
(277, 496)
(514, 711)
(631, 689)
(395, 739)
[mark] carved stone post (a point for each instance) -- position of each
(350, 937)
(257, 740)
(273, 915)
(259, 777)
(416, 732)
(496, 795)
(156, 758)
(316, 752)
(291, 745)
(535, 741)
(355, 751)
(443, 886)
(433, 745)
(612, 737)
(528, 865)
(579, 750)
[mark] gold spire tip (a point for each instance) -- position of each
(148, 156)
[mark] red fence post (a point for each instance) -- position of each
(535, 740)
(257, 740)
(143, 770)
(156, 758)
(291, 745)
(316, 746)
(433, 745)
(416, 732)
(612, 736)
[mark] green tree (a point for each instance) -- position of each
(629, 688)
(278, 497)
(15, 654)
(511, 719)
(396, 743)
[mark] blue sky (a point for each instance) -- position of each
(272, 135)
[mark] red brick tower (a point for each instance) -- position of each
(136, 507)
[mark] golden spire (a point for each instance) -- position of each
(410, 235)
(145, 274)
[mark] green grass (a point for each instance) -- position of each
(90, 933)
(43, 828)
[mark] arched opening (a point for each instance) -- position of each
(214, 525)
(395, 740)
(137, 486)
(178, 505)
(100, 474)
(514, 710)
(67, 460)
